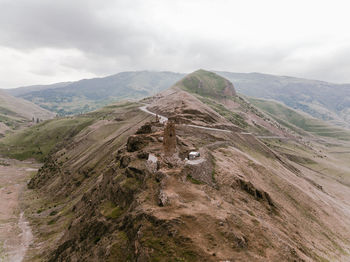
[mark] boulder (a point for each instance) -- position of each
(145, 129)
(136, 143)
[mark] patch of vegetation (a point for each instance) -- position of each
(51, 222)
(299, 159)
(3, 255)
(255, 222)
(165, 248)
(213, 162)
(4, 163)
(110, 210)
(193, 180)
(118, 251)
(130, 184)
(53, 213)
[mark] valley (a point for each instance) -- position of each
(15, 233)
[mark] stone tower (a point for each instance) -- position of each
(169, 138)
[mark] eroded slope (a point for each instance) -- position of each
(116, 192)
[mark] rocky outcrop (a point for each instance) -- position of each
(49, 170)
(256, 193)
(145, 129)
(200, 169)
(137, 142)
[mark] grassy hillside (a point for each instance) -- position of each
(90, 94)
(206, 83)
(323, 100)
(298, 121)
(37, 141)
(16, 112)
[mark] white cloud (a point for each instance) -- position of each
(42, 65)
(67, 40)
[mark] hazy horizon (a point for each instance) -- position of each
(184, 73)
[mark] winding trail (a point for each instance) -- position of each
(163, 119)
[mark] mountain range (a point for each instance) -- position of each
(89, 94)
(322, 100)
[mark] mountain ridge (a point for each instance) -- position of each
(117, 185)
(88, 94)
(314, 97)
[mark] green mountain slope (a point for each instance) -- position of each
(206, 83)
(299, 121)
(220, 95)
(89, 94)
(323, 100)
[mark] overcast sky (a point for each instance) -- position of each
(44, 41)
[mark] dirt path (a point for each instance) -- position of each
(15, 232)
(163, 119)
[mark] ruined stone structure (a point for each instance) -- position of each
(169, 139)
